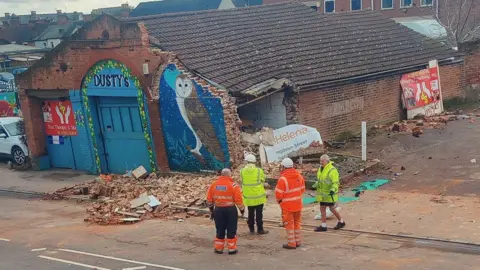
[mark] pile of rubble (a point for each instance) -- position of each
(124, 199)
(416, 126)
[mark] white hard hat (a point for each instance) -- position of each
(250, 158)
(287, 163)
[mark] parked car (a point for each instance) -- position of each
(12, 140)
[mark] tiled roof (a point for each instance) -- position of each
(239, 48)
(59, 31)
(22, 33)
(172, 6)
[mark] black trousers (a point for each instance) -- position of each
(226, 220)
(255, 212)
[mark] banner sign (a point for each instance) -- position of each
(59, 118)
(420, 88)
(290, 139)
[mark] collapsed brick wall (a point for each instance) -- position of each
(65, 66)
(340, 109)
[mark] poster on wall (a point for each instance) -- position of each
(59, 118)
(290, 139)
(421, 92)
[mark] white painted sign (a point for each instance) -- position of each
(290, 139)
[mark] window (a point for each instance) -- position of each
(425, 2)
(405, 3)
(355, 4)
(387, 4)
(329, 6)
(51, 43)
(13, 129)
(45, 45)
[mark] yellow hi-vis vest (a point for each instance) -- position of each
(252, 185)
(328, 180)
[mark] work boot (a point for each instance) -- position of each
(260, 232)
(320, 229)
(218, 251)
(339, 225)
(252, 229)
(286, 246)
(233, 252)
(299, 245)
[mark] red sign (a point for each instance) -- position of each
(420, 88)
(59, 118)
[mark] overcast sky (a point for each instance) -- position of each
(21, 7)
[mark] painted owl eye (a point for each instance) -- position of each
(186, 85)
(179, 85)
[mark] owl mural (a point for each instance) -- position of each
(200, 118)
(197, 118)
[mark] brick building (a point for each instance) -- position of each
(472, 68)
(190, 78)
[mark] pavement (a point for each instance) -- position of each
(39, 181)
(36, 234)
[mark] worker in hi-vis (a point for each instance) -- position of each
(223, 198)
(288, 192)
(254, 195)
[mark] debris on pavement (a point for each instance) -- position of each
(140, 172)
(151, 197)
(473, 161)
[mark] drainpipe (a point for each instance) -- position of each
(371, 5)
(436, 9)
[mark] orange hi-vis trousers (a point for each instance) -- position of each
(292, 222)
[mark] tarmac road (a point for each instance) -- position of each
(61, 240)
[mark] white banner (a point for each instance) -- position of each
(290, 139)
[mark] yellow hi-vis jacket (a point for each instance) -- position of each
(328, 180)
(253, 179)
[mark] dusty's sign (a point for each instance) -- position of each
(290, 139)
(59, 118)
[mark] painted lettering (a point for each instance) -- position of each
(108, 80)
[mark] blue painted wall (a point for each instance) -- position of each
(203, 112)
(81, 144)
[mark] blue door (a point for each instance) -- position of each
(122, 134)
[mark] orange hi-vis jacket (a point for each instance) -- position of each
(289, 190)
(224, 192)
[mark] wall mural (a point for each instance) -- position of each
(127, 73)
(193, 124)
(8, 104)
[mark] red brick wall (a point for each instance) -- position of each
(452, 81)
(472, 63)
(342, 108)
(125, 44)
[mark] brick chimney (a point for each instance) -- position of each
(125, 11)
(33, 16)
(62, 18)
(14, 20)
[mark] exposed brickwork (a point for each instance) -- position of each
(33, 118)
(472, 63)
(452, 81)
(342, 108)
(126, 44)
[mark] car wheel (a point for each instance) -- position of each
(18, 156)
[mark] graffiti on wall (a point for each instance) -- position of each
(9, 104)
(193, 124)
(343, 107)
